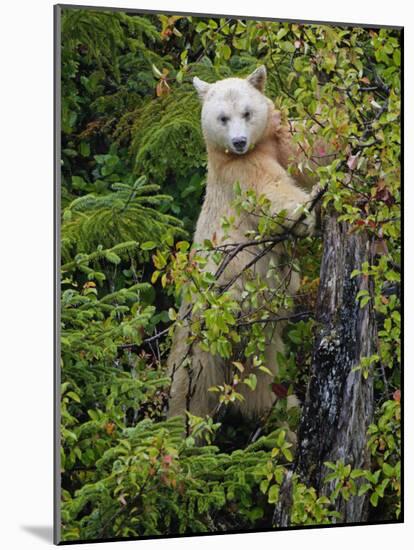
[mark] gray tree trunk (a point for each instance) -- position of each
(339, 403)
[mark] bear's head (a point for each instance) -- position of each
(234, 112)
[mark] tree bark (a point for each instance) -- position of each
(338, 406)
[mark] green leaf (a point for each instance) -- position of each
(287, 454)
(226, 51)
(156, 71)
(363, 489)
(264, 485)
(74, 396)
(364, 301)
(251, 381)
(112, 257)
(388, 469)
(374, 499)
(148, 245)
(273, 494)
(265, 370)
(85, 149)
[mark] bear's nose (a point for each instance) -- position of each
(239, 143)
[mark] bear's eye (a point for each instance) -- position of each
(224, 119)
(247, 115)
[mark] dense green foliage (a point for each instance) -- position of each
(133, 172)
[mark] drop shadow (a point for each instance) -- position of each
(43, 532)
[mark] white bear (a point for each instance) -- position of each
(238, 127)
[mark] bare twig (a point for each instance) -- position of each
(301, 315)
(271, 243)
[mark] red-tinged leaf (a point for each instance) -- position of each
(321, 150)
(280, 390)
(166, 33)
(162, 88)
(89, 284)
(397, 395)
(110, 427)
(352, 161)
(380, 247)
(383, 194)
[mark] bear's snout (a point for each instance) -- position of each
(239, 144)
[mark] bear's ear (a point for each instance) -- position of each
(201, 87)
(258, 78)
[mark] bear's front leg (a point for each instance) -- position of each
(285, 197)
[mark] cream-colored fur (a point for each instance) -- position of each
(256, 169)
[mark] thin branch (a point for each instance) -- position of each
(270, 241)
(302, 315)
(273, 242)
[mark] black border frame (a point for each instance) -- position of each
(56, 274)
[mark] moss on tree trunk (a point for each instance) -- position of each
(338, 407)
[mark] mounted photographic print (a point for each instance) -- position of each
(228, 293)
